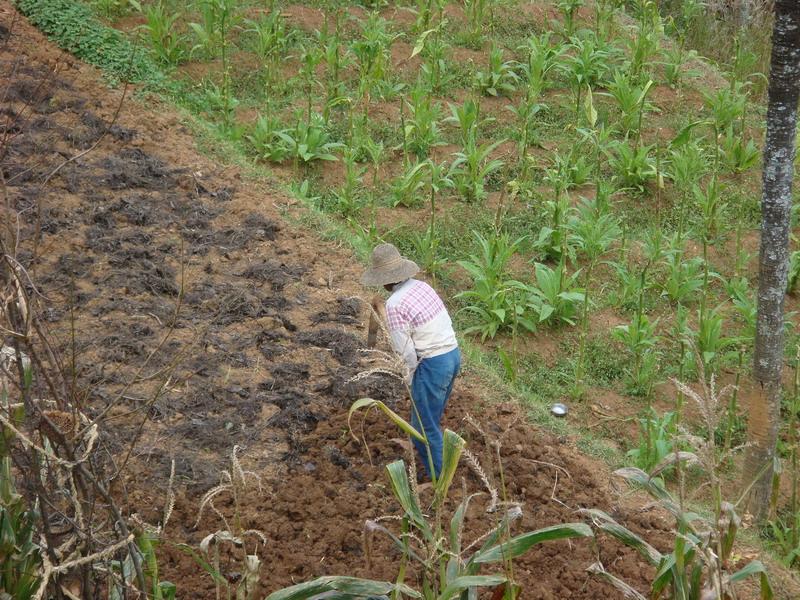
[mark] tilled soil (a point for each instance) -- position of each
(200, 307)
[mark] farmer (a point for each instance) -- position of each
(422, 334)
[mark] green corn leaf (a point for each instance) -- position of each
(755, 567)
(624, 535)
(452, 447)
(456, 523)
(398, 477)
(519, 545)
(469, 581)
(368, 403)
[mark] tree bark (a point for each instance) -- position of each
(776, 204)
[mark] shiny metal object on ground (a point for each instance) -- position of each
(559, 410)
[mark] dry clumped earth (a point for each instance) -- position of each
(257, 326)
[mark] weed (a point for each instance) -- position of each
(408, 189)
(21, 554)
(266, 141)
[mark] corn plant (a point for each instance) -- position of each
(161, 29)
(266, 141)
(633, 166)
(408, 189)
(439, 180)
(584, 64)
(592, 229)
(542, 58)
(270, 40)
(555, 296)
(684, 277)
(479, 13)
(349, 197)
(309, 141)
(712, 344)
(640, 340)
(725, 106)
(642, 47)
(688, 164)
(468, 119)
(435, 49)
(674, 64)
(500, 78)
(738, 154)
(631, 98)
(217, 17)
(20, 554)
(655, 441)
(421, 131)
(568, 9)
(471, 167)
(711, 208)
(372, 52)
(496, 300)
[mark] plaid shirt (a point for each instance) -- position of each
(419, 305)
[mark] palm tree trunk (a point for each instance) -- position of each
(779, 151)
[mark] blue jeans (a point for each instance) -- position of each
(430, 390)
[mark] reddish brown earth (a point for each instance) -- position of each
(256, 327)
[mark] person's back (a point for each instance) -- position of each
(418, 322)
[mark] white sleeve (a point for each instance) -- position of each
(404, 346)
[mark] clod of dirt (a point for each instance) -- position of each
(132, 168)
(343, 345)
(277, 274)
(268, 343)
(346, 312)
(287, 374)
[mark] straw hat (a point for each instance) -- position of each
(388, 266)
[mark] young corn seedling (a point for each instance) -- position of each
(688, 164)
(350, 196)
(631, 99)
(422, 125)
(408, 189)
(471, 167)
(468, 118)
(161, 29)
(542, 58)
(496, 300)
(640, 340)
(592, 229)
(309, 142)
(435, 50)
(584, 64)
(439, 180)
(500, 77)
(267, 141)
(738, 154)
(217, 17)
(555, 297)
(569, 9)
(655, 440)
(270, 41)
(674, 64)
(372, 52)
(634, 166)
(684, 277)
(480, 17)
